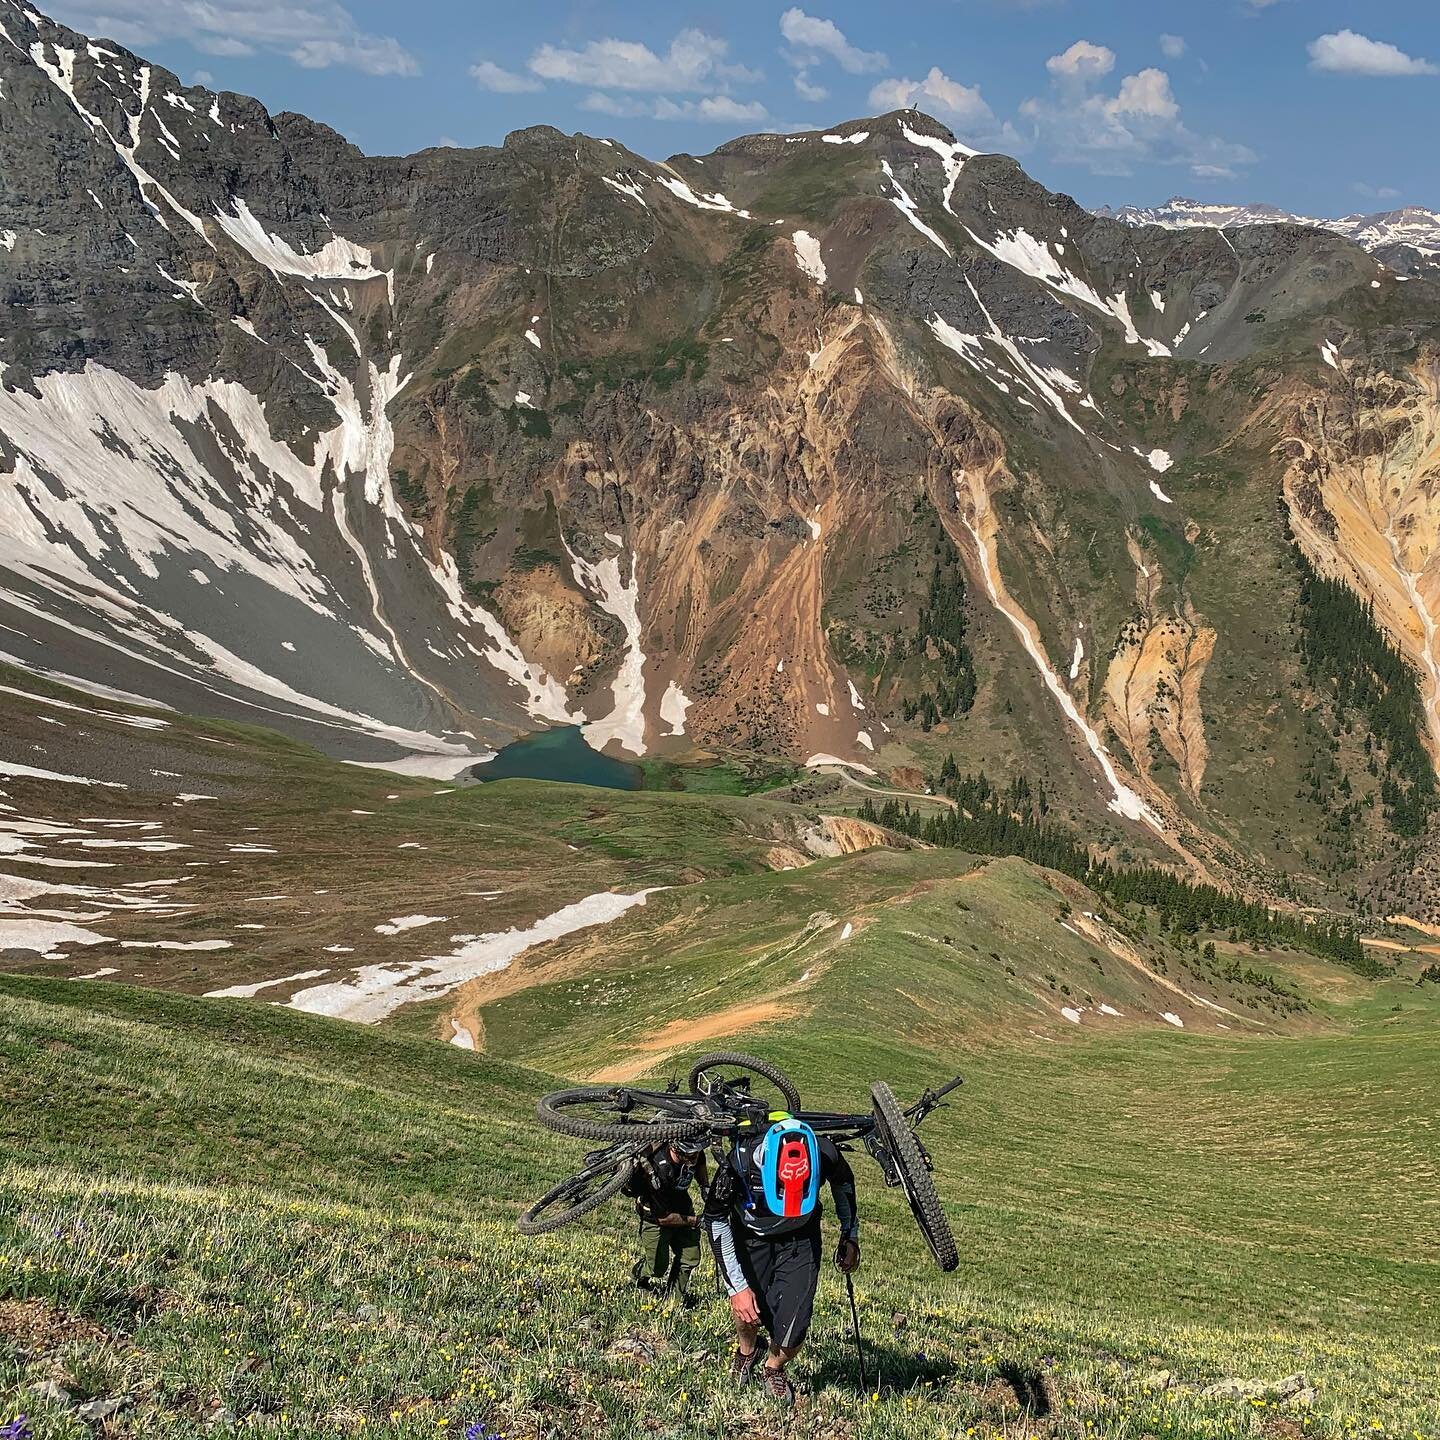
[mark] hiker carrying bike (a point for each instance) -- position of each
(762, 1215)
(669, 1227)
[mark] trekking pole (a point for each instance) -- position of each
(855, 1321)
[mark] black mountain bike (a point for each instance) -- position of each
(730, 1094)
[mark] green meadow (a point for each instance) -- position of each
(237, 1219)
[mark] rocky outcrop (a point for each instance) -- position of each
(1152, 683)
(1363, 489)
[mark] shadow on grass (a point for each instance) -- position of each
(890, 1369)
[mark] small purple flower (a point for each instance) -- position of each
(479, 1430)
(16, 1429)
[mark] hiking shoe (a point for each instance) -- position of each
(777, 1385)
(742, 1366)
(641, 1279)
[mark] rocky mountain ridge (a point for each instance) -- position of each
(753, 450)
(1407, 239)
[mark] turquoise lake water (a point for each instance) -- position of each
(559, 754)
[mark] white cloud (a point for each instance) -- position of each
(1346, 53)
(489, 76)
(223, 45)
(963, 106)
(719, 109)
(806, 88)
(937, 91)
(1172, 47)
(1140, 124)
(373, 54)
(1375, 192)
(204, 77)
(1082, 61)
(811, 38)
(316, 34)
(1147, 93)
(694, 61)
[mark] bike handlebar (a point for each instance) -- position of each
(931, 1098)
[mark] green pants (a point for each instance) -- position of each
(668, 1254)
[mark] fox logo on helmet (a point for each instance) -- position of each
(790, 1169)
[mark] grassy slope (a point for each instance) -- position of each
(222, 1187)
(948, 951)
(333, 850)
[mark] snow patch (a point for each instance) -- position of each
(17, 771)
(626, 722)
(375, 991)
(1124, 800)
(952, 155)
(717, 201)
(902, 201)
(626, 187)
(673, 705)
(408, 922)
(338, 259)
(823, 761)
(245, 992)
(176, 945)
(43, 935)
(807, 255)
(427, 766)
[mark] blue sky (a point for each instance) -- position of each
(1322, 106)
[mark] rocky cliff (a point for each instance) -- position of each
(852, 444)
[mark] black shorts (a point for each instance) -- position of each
(783, 1271)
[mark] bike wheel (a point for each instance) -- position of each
(591, 1113)
(915, 1177)
(709, 1069)
(577, 1196)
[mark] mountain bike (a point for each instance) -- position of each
(727, 1096)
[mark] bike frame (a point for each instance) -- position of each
(730, 1108)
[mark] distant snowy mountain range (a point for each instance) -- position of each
(1407, 239)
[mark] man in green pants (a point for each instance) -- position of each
(669, 1228)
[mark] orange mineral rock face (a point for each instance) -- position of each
(1363, 490)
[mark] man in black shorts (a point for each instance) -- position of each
(762, 1215)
